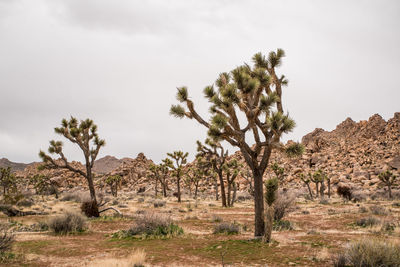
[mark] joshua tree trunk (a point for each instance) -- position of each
(329, 187)
(216, 189)
(179, 188)
(196, 188)
(390, 191)
(221, 182)
(309, 191)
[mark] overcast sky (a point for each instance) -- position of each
(119, 63)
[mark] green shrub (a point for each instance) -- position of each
(226, 228)
(68, 222)
(369, 253)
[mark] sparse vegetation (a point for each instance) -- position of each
(151, 225)
(369, 253)
(226, 228)
(69, 222)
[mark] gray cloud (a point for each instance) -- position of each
(119, 63)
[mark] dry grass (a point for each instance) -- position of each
(136, 259)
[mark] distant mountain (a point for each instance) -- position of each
(107, 164)
(4, 163)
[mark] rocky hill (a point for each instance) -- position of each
(5, 163)
(354, 153)
(106, 164)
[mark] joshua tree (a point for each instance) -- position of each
(231, 170)
(196, 174)
(279, 171)
(388, 178)
(114, 182)
(7, 180)
(246, 174)
(160, 173)
(216, 155)
(253, 91)
(306, 180)
(176, 165)
(81, 133)
(44, 184)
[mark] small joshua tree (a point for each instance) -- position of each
(159, 173)
(256, 93)
(7, 180)
(114, 182)
(306, 180)
(279, 171)
(246, 174)
(215, 154)
(176, 163)
(44, 184)
(388, 178)
(195, 175)
(81, 133)
(231, 170)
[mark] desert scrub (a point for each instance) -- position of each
(216, 218)
(6, 241)
(151, 225)
(378, 210)
(226, 228)
(68, 222)
(283, 204)
(159, 203)
(367, 222)
(369, 253)
(282, 225)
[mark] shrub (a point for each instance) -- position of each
(388, 227)
(140, 200)
(159, 203)
(367, 222)
(68, 222)
(74, 196)
(226, 228)
(283, 203)
(6, 240)
(369, 253)
(152, 224)
(25, 203)
(358, 196)
(363, 209)
(216, 218)
(282, 225)
(324, 201)
(90, 209)
(378, 210)
(344, 191)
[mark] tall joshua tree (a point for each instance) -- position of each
(82, 133)
(256, 92)
(178, 159)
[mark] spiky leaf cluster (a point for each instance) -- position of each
(84, 134)
(387, 177)
(256, 92)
